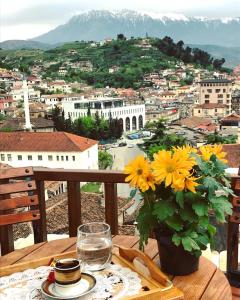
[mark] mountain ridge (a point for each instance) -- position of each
(100, 24)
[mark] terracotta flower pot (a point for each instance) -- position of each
(175, 260)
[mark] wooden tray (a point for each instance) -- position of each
(156, 285)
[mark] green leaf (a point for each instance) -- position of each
(203, 222)
(189, 244)
(187, 214)
(175, 223)
(203, 239)
(133, 193)
(221, 207)
(145, 223)
(180, 199)
(211, 184)
(176, 239)
(211, 230)
(200, 208)
(164, 209)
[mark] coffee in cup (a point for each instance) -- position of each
(67, 271)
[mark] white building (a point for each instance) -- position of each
(132, 116)
(48, 149)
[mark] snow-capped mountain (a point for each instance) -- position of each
(100, 24)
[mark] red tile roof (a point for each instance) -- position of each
(233, 154)
(44, 141)
(232, 117)
(211, 105)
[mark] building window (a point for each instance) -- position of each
(62, 158)
(220, 95)
(206, 101)
(66, 158)
(73, 158)
(2, 157)
(215, 109)
(220, 101)
(57, 157)
(228, 95)
(9, 157)
(39, 157)
(209, 90)
(50, 157)
(19, 157)
(29, 157)
(207, 96)
(218, 90)
(224, 90)
(199, 111)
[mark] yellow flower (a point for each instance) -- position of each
(171, 167)
(185, 183)
(208, 150)
(190, 184)
(139, 174)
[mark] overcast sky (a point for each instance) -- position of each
(22, 19)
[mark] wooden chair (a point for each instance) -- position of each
(19, 203)
(233, 264)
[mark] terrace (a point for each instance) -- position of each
(110, 179)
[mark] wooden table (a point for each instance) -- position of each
(208, 283)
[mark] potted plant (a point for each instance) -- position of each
(179, 188)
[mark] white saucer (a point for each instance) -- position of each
(81, 288)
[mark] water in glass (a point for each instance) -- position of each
(94, 245)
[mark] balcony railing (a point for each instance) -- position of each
(73, 179)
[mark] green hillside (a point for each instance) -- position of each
(132, 61)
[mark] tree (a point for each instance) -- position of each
(2, 117)
(105, 160)
(121, 37)
(58, 118)
(217, 63)
(216, 138)
(160, 139)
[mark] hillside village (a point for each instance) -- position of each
(134, 85)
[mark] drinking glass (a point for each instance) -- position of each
(94, 245)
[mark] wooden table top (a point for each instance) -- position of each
(208, 283)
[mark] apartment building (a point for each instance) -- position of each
(214, 98)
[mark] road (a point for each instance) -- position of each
(122, 156)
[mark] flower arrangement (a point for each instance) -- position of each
(179, 188)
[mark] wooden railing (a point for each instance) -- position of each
(74, 178)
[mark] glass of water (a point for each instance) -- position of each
(94, 245)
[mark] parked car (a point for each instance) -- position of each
(114, 145)
(130, 145)
(123, 144)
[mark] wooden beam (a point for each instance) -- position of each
(74, 207)
(111, 206)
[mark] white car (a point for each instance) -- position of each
(130, 145)
(114, 145)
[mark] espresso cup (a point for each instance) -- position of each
(67, 271)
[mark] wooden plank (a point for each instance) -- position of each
(111, 206)
(218, 288)
(18, 254)
(21, 217)
(232, 247)
(109, 176)
(40, 226)
(235, 217)
(17, 187)
(50, 248)
(194, 285)
(18, 202)
(151, 248)
(16, 172)
(74, 207)
(125, 241)
(236, 201)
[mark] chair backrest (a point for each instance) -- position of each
(18, 201)
(233, 267)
